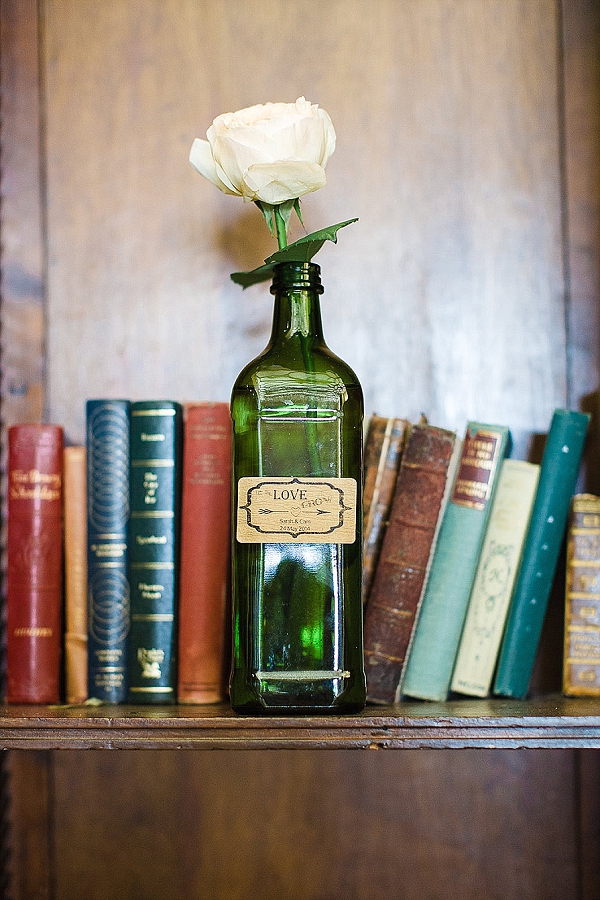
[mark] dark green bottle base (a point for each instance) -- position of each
(317, 700)
(255, 708)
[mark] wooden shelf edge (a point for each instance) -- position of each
(550, 722)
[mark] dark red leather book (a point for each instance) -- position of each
(34, 563)
(205, 554)
(405, 553)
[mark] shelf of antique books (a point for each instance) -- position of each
(548, 721)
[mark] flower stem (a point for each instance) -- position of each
(280, 228)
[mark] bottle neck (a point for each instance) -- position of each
(297, 310)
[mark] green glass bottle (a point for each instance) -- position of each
(297, 415)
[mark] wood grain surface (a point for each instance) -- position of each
(447, 295)
(319, 825)
(468, 147)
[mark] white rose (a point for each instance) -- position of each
(269, 153)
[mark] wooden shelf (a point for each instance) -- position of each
(553, 721)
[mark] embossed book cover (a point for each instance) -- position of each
(108, 523)
(34, 563)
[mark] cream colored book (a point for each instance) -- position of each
(495, 578)
(75, 523)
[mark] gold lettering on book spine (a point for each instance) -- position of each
(477, 469)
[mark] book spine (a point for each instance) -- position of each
(75, 522)
(404, 557)
(495, 578)
(433, 650)
(34, 563)
(107, 450)
(205, 554)
(155, 498)
(581, 670)
(556, 486)
(383, 450)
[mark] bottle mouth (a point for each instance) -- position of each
(298, 275)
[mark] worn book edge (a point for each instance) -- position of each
(376, 519)
(581, 661)
(451, 472)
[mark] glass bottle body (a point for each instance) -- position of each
(297, 414)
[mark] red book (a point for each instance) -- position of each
(34, 563)
(205, 554)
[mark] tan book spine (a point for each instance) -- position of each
(75, 526)
(581, 670)
(495, 578)
(383, 451)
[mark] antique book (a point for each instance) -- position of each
(404, 557)
(204, 605)
(556, 486)
(581, 669)
(155, 507)
(75, 525)
(495, 578)
(433, 650)
(107, 447)
(34, 564)
(383, 450)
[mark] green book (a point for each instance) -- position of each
(556, 486)
(438, 629)
(155, 498)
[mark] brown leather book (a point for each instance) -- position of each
(34, 563)
(75, 515)
(581, 670)
(205, 554)
(404, 558)
(383, 449)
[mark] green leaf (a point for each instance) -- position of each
(286, 211)
(306, 247)
(247, 279)
(267, 211)
(301, 250)
(298, 210)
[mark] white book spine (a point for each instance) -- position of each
(495, 578)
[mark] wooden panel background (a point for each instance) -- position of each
(468, 146)
(447, 297)
(328, 824)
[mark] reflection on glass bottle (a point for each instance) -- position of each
(297, 435)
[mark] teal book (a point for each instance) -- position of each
(556, 487)
(444, 605)
(155, 500)
(107, 454)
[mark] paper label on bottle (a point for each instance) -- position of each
(296, 510)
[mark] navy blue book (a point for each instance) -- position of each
(107, 443)
(155, 499)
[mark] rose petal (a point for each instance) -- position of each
(271, 152)
(275, 183)
(202, 160)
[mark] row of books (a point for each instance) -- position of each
(461, 545)
(118, 558)
(131, 529)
